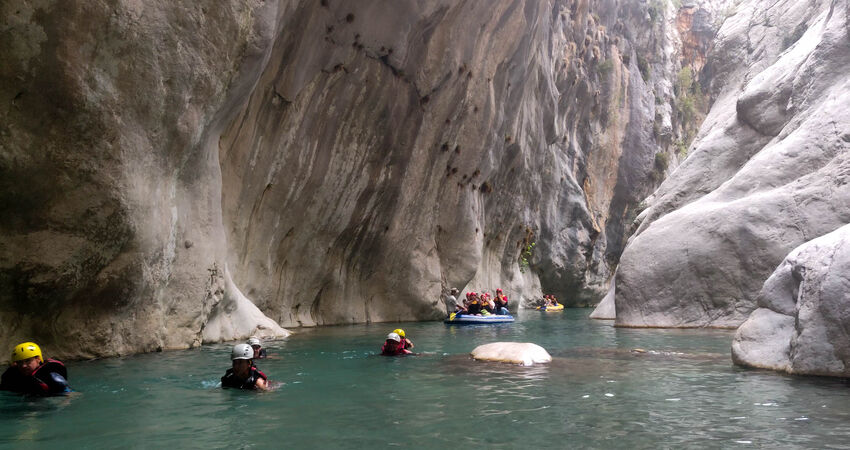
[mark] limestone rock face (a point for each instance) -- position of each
(394, 150)
(522, 353)
(769, 171)
(802, 317)
(166, 166)
(110, 185)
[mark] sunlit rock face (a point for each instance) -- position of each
(801, 322)
(166, 166)
(768, 172)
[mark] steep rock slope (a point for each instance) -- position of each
(768, 172)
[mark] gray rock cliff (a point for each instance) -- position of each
(175, 172)
(112, 237)
(380, 161)
(768, 170)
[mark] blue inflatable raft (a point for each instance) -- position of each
(463, 319)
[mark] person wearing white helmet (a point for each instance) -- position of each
(259, 351)
(394, 346)
(243, 374)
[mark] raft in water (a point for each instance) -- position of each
(464, 319)
(560, 307)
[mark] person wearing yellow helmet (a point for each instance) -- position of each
(407, 344)
(30, 374)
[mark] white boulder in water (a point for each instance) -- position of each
(524, 353)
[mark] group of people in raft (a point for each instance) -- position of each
(29, 373)
(477, 304)
(550, 300)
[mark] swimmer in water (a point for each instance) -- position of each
(259, 351)
(243, 374)
(394, 346)
(30, 374)
(407, 343)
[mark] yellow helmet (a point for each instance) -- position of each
(26, 351)
(399, 332)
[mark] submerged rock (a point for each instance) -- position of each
(522, 353)
(802, 321)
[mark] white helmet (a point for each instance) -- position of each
(242, 351)
(252, 341)
(394, 337)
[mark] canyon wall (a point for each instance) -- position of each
(183, 172)
(112, 237)
(396, 149)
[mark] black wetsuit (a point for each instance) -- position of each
(50, 378)
(262, 354)
(501, 303)
(231, 381)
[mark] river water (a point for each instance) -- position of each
(334, 391)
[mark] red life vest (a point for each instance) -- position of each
(393, 348)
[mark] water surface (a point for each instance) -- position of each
(336, 392)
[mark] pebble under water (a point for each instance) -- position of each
(336, 392)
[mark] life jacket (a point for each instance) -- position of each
(48, 379)
(392, 348)
(489, 307)
(231, 381)
(407, 343)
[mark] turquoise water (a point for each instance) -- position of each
(335, 392)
